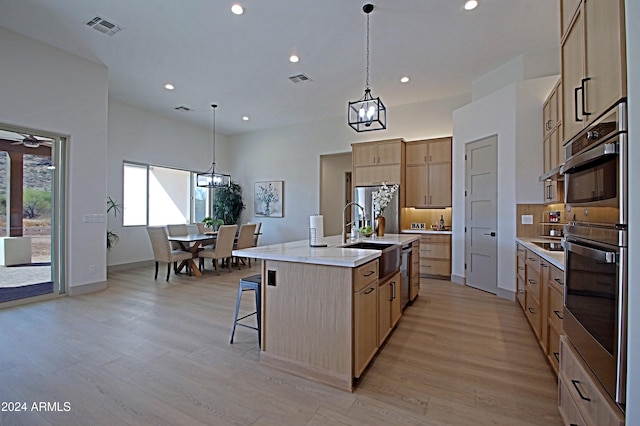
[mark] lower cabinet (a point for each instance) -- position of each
(435, 255)
(582, 400)
(414, 271)
(389, 306)
(365, 331)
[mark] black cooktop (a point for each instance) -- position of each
(550, 246)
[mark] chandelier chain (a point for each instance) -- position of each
(213, 107)
(367, 83)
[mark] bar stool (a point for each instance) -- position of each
(253, 283)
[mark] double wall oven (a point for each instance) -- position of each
(595, 304)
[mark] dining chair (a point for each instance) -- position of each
(223, 248)
(177, 229)
(162, 251)
(202, 229)
(256, 233)
(245, 240)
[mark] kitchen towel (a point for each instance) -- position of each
(316, 230)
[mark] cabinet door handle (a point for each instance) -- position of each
(393, 290)
(548, 192)
(548, 125)
(557, 355)
(575, 385)
(368, 274)
(532, 311)
(558, 281)
(575, 104)
(369, 291)
(584, 97)
(430, 199)
(533, 282)
(558, 315)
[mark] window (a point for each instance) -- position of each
(157, 195)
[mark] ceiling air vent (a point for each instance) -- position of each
(300, 78)
(183, 108)
(104, 26)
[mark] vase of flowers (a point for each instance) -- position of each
(381, 199)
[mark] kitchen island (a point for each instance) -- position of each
(325, 312)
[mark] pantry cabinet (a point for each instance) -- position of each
(428, 173)
(593, 61)
(377, 162)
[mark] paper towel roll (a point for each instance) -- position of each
(316, 230)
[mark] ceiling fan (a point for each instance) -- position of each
(31, 141)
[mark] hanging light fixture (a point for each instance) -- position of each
(367, 113)
(211, 178)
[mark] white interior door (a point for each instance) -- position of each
(481, 193)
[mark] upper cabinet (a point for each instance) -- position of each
(552, 125)
(377, 162)
(428, 173)
(593, 60)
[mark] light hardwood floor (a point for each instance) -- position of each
(150, 352)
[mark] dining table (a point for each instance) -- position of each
(191, 243)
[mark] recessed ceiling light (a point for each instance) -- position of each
(471, 4)
(404, 80)
(237, 9)
(245, 118)
(294, 58)
(169, 86)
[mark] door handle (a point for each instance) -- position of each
(493, 234)
(584, 97)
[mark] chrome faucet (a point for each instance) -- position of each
(344, 225)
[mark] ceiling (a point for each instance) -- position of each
(241, 62)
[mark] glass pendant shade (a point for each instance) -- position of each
(211, 178)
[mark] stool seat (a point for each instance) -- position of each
(252, 283)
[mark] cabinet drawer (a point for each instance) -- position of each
(520, 265)
(553, 346)
(435, 267)
(365, 274)
(435, 251)
(434, 238)
(533, 260)
(555, 311)
(521, 291)
(532, 284)
(556, 276)
(566, 406)
(592, 401)
(522, 252)
(532, 310)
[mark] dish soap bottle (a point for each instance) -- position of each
(441, 223)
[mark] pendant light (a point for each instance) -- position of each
(367, 113)
(211, 178)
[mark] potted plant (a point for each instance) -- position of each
(112, 236)
(227, 203)
(212, 223)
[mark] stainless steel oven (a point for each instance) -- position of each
(595, 300)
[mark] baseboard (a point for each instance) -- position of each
(132, 265)
(506, 294)
(77, 290)
(457, 279)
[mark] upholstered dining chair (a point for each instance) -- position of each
(202, 229)
(223, 248)
(256, 233)
(245, 239)
(162, 251)
(177, 229)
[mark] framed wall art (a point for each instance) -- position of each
(268, 198)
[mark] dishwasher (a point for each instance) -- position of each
(404, 272)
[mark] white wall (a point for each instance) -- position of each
(633, 70)
(292, 154)
(141, 136)
(514, 114)
(45, 88)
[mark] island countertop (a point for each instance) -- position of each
(333, 255)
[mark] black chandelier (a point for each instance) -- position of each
(367, 113)
(211, 178)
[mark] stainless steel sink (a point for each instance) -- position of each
(389, 260)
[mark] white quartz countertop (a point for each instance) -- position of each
(334, 254)
(556, 258)
(425, 231)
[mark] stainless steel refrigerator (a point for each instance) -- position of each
(363, 195)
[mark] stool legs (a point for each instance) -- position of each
(252, 283)
(235, 321)
(259, 316)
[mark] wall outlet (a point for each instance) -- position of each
(271, 278)
(527, 219)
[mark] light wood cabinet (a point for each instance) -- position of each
(414, 271)
(593, 61)
(582, 399)
(389, 306)
(428, 173)
(435, 255)
(552, 128)
(377, 162)
(365, 315)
